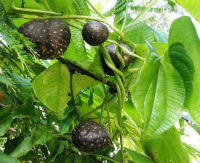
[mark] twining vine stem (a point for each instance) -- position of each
(125, 50)
(119, 56)
(32, 11)
(71, 86)
(74, 25)
(98, 107)
(102, 108)
(120, 92)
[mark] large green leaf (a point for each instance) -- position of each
(166, 148)
(5, 122)
(183, 31)
(192, 6)
(158, 95)
(7, 159)
(52, 87)
(23, 148)
(137, 157)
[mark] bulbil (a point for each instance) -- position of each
(90, 136)
(95, 33)
(51, 36)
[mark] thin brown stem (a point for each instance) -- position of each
(84, 72)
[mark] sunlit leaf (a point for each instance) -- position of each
(191, 6)
(183, 31)
(158, 95)
(52, 87)
(166, 148)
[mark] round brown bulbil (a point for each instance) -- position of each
(95, 33)
(90, 136)
(51, 36)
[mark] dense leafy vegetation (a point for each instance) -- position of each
(132, 79)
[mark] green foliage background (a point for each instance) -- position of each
(41, 101)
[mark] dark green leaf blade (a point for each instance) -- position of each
(5, 122)
(41, 135)
(5, 80)
(6, 4)
(7, 159)
(184, 65)
(59, 151)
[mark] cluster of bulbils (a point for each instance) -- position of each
(52, 37)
